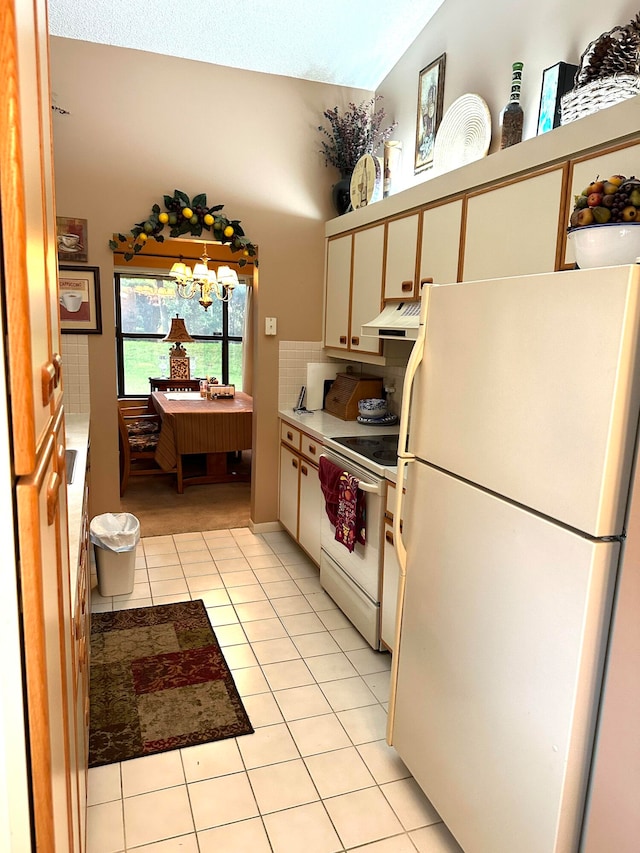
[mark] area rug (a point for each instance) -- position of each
(159, 681)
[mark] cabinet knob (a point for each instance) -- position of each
(53, 492)
(407, 286)
(290, 436)
(355, 341)
(312, 449)
(48, 380)
(294, 462)
(57, 366)
(389, 537)
(388, 515)
(343, 339)
(304, 470)
(424, 281)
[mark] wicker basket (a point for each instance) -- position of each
(597, 95)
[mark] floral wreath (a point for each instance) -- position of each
(183, 216)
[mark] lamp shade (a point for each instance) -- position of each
(178, 332)
(228, 277)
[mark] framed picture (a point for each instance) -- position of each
(79, 297)
(430, 97)
(556, 82)
(72, 239)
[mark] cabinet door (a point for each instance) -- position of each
(623, 161)
(337, 292)
(28, 227)
(401, 252)
(288, 503)
(492, 249)
(440, 243)
(44, 570)
(311, 509)
(366, 288)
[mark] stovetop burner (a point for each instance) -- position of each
(382, 449)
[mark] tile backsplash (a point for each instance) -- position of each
(295, 355)
(75, 373)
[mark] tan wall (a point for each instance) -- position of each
(481, 41)
(142, 125)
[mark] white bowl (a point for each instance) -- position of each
(372, 407)
(606, 245)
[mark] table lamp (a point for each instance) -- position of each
(178, 359)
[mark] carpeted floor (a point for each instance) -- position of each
(160, 509)
(158, 682)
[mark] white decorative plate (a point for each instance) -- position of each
(366, 181)
(464, 134)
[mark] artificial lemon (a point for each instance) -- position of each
(187, 212)
(228, 231)
(208, 219)
(164, 218)
(142, 238)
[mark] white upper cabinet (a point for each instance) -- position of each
(401, 251)
(337, 292)
(366, 292)
(440, 243)
(513, 229)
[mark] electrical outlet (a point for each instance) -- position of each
(270, 325)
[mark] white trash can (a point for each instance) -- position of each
(115, 537)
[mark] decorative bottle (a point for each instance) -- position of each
(512, 115)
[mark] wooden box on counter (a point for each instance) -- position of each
(347, 390)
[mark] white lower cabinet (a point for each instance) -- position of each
(390, 575)
(300, 496)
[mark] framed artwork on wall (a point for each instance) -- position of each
(79, 297)
(72, 239)
(430, 98)
(557, 80)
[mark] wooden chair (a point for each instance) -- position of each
(174, 384)
(139, 431)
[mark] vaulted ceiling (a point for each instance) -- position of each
(346, 42)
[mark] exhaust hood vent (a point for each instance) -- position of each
(398, 321)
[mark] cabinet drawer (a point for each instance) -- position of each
(311, 448)
(290, 435)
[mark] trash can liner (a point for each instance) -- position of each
(115, 531)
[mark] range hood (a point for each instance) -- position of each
(398, 321)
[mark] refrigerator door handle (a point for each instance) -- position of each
(404, 458)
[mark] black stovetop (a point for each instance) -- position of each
(382, 449)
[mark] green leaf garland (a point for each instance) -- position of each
(183, 216)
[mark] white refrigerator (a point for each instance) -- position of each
(519, 420)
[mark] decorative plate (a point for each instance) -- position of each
(464, 134)
(366, 181)
(385, 420)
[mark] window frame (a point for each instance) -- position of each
(224, 338)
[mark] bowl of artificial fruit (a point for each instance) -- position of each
(604, 227)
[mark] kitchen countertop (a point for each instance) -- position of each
(76, 438)
(321, 425)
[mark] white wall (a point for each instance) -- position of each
(481, 40)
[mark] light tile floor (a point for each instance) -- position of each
(317, 775)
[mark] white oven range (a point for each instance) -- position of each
(353, 579)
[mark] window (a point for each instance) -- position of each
(145, 305)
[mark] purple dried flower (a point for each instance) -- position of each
(354, 133)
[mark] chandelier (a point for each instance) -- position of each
(204, 282)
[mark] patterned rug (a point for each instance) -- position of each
(158, 682)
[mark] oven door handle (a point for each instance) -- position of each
(373, 488)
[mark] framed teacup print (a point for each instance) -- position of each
(79, 298)
(430, 98)
(71, 234)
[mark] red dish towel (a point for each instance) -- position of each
(329, 475)
(344, 503)
(350, 524)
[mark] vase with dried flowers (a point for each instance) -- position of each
(356, 131)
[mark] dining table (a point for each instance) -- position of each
(193, 425)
